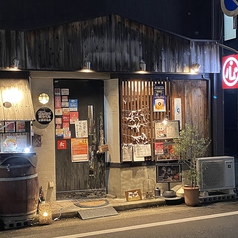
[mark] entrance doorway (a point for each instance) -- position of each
(80, 169)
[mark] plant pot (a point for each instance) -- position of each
(191, 195)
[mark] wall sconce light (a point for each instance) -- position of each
(15, 62)
(86, 67)
(45, 213)
(195, 68)
(43, 98)
(142, 66)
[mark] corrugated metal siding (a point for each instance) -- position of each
(19, 111)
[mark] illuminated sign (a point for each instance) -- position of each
(230, 7)
(230, 72)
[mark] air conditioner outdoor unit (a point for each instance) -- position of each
(216, 173)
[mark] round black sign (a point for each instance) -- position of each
(44, 115)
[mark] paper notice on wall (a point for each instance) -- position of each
(178, 111)
(81, 128)
(127, 153)
(140, 151)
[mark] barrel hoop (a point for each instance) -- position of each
(15, 166)
(17, 215)
(32, 162)
(19, 178)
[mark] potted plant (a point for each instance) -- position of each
(189, 146)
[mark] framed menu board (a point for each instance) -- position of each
(169, 130)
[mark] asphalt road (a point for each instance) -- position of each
(208, 221)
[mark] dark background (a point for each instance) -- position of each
(191, 18)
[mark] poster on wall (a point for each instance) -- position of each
(81, 128)
(64, 91)
(127, 152)
(73, 105)
(79, 149)
(159, 148)
(9, 126)
(74, 116)
(61, 145)
(20, 126)
(159, 99)
(178, 111)
(58, 102)
(166, 131)
(140, 151)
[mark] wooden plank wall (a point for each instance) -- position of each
(136, 98)
(136, 104)
(194, 100)
(111, 43)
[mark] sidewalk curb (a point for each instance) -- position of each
(117, 207)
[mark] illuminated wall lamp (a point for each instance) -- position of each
(86, 67)
(43, 98)
(45, 213)
(142, 66)
(195, 68)
(15, 62)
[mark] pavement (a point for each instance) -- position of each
(72, 208)
(79, 207)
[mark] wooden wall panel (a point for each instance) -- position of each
(194, 100)
(136, 98)
(111, 43)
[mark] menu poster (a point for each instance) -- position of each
(9, 126)
(58, 102)
(57, 91)
(159, 148)
(59, 132)
(58, 111)
(79, 150)
(159, 98)
(20, 126)
(66, 126)
(65, 111)
(65, 118)
(67, 134)
(81, 128)
(73, 105)
(58, 120)
(64, 104)
(166, 131)
(65, 98)
(74, 116)
(64, 91)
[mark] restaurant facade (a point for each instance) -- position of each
(106, 85)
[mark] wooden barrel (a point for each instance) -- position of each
(19, 188)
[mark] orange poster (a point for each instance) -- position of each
(79, 149)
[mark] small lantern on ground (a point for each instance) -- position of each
(45, 213)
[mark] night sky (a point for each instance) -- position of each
(189, 18)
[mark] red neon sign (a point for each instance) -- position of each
(230, 72)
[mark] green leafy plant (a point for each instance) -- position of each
(189, 146)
